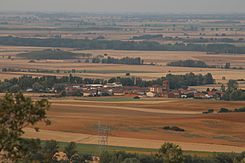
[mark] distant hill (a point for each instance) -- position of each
(56, 54)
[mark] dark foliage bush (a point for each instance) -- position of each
(174, 128)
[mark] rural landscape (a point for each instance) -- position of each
(122, 88)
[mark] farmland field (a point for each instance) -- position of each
(162, 58)
(107, 71)
(135, 121)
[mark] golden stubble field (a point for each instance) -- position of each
(107, 71)
(163, 57)
(136, 123)
(144, 120)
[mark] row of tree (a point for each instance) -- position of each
(211, 40)
(170, 153)
(175, 81)
(56, 54)
(232, 92)
(46, 83)
(189, 79)
(50, 152)
(200, 64)
(125, 60)
(41, 84)
(35, 150)
(121, 45)
(147, 37)
(237, 110)
(188, 63)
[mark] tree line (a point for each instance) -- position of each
(188, 63)
(125, 60)
(52, 54)
(147, 37)
(232, 92)
(170, 153)
(175, 81)
(42, 84)
(46, 83)
(84, 44)
(237, 110)
(200, 64)
(189, 79)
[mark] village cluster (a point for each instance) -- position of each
(117, 89)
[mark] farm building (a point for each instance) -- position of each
(150, 94)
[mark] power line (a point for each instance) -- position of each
(103, 137)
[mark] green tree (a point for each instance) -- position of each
(131, 160)
(37, 87)
(49, 149)
(225, 157)
(222, 88)
(32, 149)
(171, 153)
(70, 149)
(105, 157)
(76, 158)
(233, 92)
(232, 85)
(227, 65)
(16, 113)
(14, 89)
(209, 78)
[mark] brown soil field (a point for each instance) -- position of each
(145, 119)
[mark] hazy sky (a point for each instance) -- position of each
(164, 6)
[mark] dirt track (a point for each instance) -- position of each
(133, 109)
(126, 142)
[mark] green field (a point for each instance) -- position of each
(94, 149)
